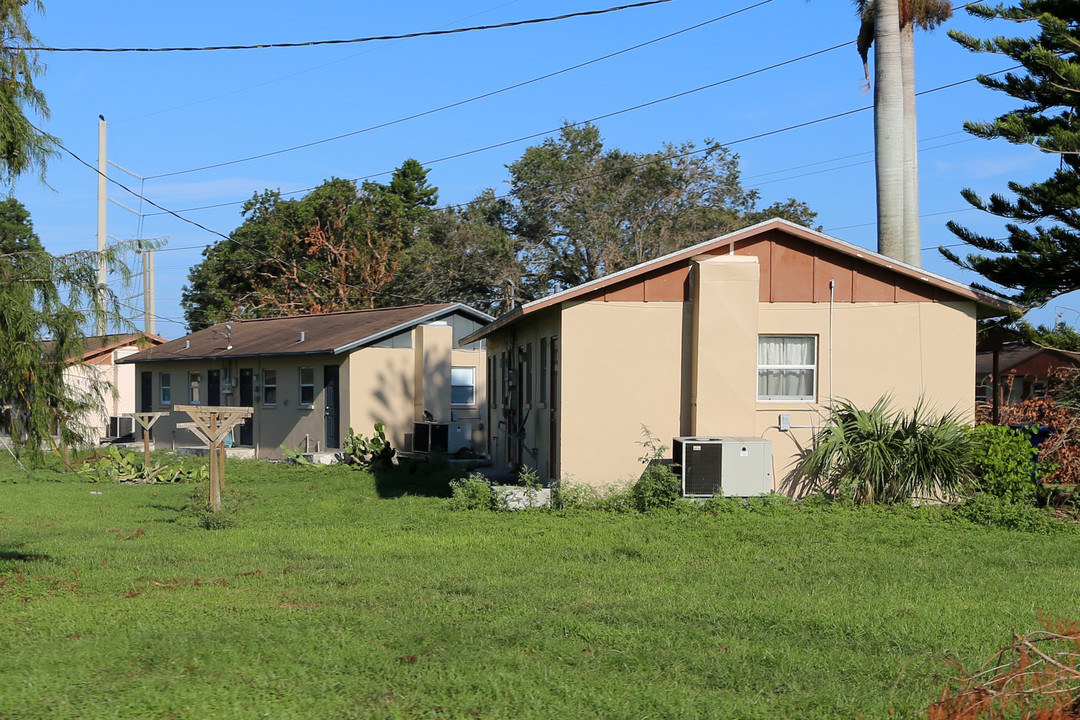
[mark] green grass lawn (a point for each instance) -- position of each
(329, 598)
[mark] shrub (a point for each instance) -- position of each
(1004, 463)
(994, 511)
(657, 487)
(127, 467)
(374, 452)
(472, 492)
(567, 495)
(885, 456)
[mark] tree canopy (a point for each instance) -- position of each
(575, 211)
(334, 249)
(582, 211)
(1040, 258)
(46, 303)
(23, 146)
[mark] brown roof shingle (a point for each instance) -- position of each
(322, 334)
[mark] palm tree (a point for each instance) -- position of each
(890, 27)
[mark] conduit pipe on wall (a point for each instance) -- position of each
(832, 298)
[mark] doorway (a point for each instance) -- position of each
(331, 405)
(213, 388)
(247, 399)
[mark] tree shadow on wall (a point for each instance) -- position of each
(428, 477)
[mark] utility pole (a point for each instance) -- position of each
(102, 188)
(149, 325)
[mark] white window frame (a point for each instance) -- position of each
(269, 387)
(472, 372)
(194, 387)
(303, 385)
(812, 367)
(164, 388)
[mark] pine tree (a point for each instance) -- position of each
(1040, 258)
(45, 304)
(23, 146)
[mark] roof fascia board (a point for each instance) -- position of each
(229, 356)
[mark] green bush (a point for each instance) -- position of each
(374, 452)
(472, 492)
(994, 511)
(882, 455)
(568, 495)
(129, 467)
(721, 505)
(657, 487)
(1004, 463)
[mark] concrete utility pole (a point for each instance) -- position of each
(149, 325)
(102, 191)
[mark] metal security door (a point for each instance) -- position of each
(146, 392)
(213, 388)
(247, 399)
(331, 406)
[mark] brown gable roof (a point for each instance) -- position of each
(866, 275)
(98, 345)
(1025, 360)
(322, 334)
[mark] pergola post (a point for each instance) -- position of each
(212, 424)
(146, 421)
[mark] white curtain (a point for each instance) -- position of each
(786, 366)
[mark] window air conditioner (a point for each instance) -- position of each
(731, 466)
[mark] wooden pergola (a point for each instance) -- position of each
(146, 421)
(212, 424)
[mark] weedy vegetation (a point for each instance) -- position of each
(333, 592)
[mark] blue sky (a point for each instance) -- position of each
(172, 112)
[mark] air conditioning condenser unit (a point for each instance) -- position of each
(729, 466)
(121, 426)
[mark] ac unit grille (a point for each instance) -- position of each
(701, 461)
(429, 437)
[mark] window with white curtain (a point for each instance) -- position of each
(787, 367)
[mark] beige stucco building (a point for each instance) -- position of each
(101, 367)
(310, 378)
(722, 339)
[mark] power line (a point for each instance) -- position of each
(296, 73)
(374, 292)
(842, 157)
(460, 103)
(841, 167)
(313, 43)
(605, 116)
(247, 246)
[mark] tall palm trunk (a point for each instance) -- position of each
(912, 237)
(889, 128)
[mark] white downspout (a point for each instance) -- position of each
(832, 298)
